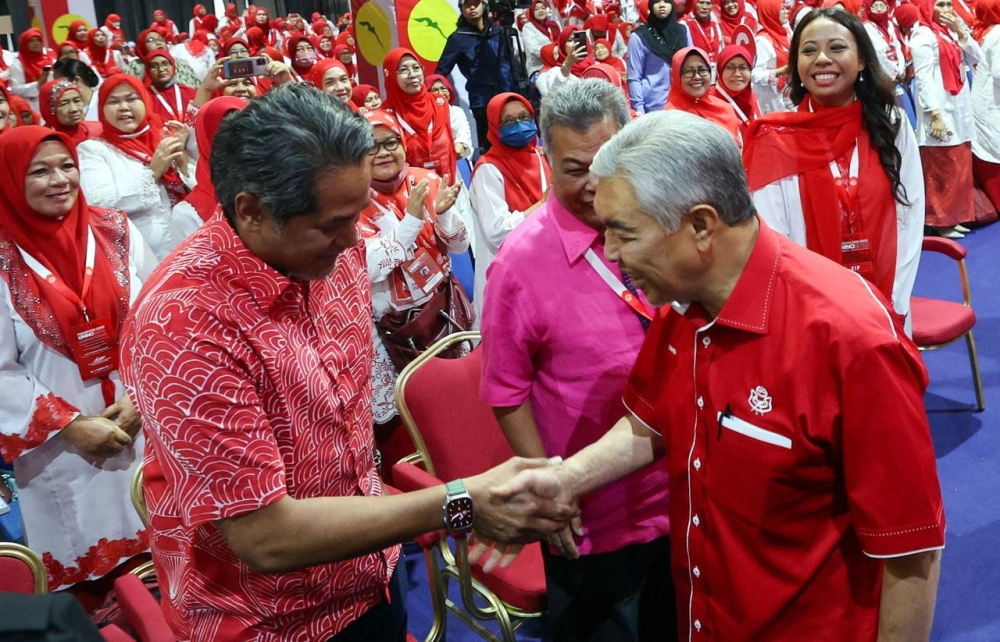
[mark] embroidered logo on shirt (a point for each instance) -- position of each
(760, 401)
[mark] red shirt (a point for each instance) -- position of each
(172, 103)
(252, 387)
(798, 450)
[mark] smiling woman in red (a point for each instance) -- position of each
(63, 109)
(691, 91)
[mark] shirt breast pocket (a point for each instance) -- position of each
(750, 470)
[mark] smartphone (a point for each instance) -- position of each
(244, 67)
(47, 68)
(582, 39)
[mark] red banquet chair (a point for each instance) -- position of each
(456, 436)
(937, 323)
(21, 570)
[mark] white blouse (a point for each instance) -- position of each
(70, 501)
(986, 100)
(115, 180)
(780, 205)
(892, 68)
(765, 82)
(931, 94)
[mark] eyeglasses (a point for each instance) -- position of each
(691, 72)
(524, 118)
(389, 145)
(157, 66)
(742, 69)
(409, 72)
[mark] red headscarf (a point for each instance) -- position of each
(360, 94)
(58, 244)
(117, 34)
(987, 17)
(610, 74)
(525, 171)
(202, 198)
(425, 117)
(291, 43)
(804, 143)
(101, 58)
(5, 125)
(140, 43)
(906, 15)
(18, 106)
(769, 14)
(433, 78)
(880, 20)
(550, 56)
(710, 106)
(319, 70)
(612, 61)
(580, 65)
(729, 23)
(197, 16)
(176, 97)
(48, 100)
(352, 69)
(161, 20)
(547, 26)
(33, 62)
(744, 100)
(71, 34)
(950, 54)
(141, 144)
(256, 40)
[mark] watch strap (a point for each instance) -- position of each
(454, 488)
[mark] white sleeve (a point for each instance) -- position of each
(106, 187)
(971, 51)
(909, 220)
(922, 52)
(450, 227)
(460, 129)
(780, 205)
(390, 249)
(533, 40)
(26, 90)
(763, 69)
(496, 219)
(142, 260)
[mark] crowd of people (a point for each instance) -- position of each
(289, 296)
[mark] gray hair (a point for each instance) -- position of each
(280, 145)
(673, 161)
(580, 105)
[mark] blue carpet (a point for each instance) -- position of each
(968, 455)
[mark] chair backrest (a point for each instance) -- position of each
(944, 246)
(456, 434)
(138, 499)
(21, 570)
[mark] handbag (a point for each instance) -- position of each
(406, 334)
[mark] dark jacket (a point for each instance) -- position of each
(482, 57)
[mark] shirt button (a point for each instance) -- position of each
(696, 571)
(707, 341)
(697, 625)
(697, 463)
(701, 402)
(695, 520)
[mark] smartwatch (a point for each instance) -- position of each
(458, 511)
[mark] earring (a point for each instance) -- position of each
(861, 76)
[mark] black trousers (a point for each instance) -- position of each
(384, 622)
(622, 596)
(482, 128)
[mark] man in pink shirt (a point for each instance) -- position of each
(560, 334)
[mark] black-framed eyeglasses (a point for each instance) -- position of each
(157, 66)
(524, 118)
(408, 72)
(389, 145)
(691, 72)
(741, 69)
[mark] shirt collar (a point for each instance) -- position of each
(576, 236)
(749, 303)
(263, 282)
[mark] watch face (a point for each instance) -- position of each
(460, 514)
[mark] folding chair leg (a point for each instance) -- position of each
(439, 589)
(977, 378)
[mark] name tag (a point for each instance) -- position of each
(856, 256)
(94, 348)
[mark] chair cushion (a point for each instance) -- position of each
(15, 576)
(936, 322)
(522, 584)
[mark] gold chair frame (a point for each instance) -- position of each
(31, 558)
(449, 565)
(970, 341)
(145, 569)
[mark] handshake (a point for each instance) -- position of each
(522, 501)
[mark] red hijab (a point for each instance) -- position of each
(140, 44)
(580, 65)
(547, 26)
(729, 23)
(315, 77)
(950, 54)
(550, 56)
(744, 100)
(5, 125)
(360, 94)
(291, 44)
(58, 244)
(987, 17)
(612, 61)
(202, 198)
(101, 58)
(117, 34)
(256, 40)
(161, 20)
(197, 16)
(18, 106)
(71, 35)
(33, 62)
(48, 100)
(141, 144)
(609, 73)
(425, 119)
(710, 106)
(769, 14)
(433, 78)
(352, 69)
(804, 143)
(522, 169)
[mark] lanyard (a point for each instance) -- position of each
(616, 285)
(409, 130)
(739, 112)
(541, 169)
(57, 283)
(178, 112)
(847, 190)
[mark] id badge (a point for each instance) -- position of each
(422, 272)
(855, 255)
(94, 348)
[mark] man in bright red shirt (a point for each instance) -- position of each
(250, 353)
(804, 497)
